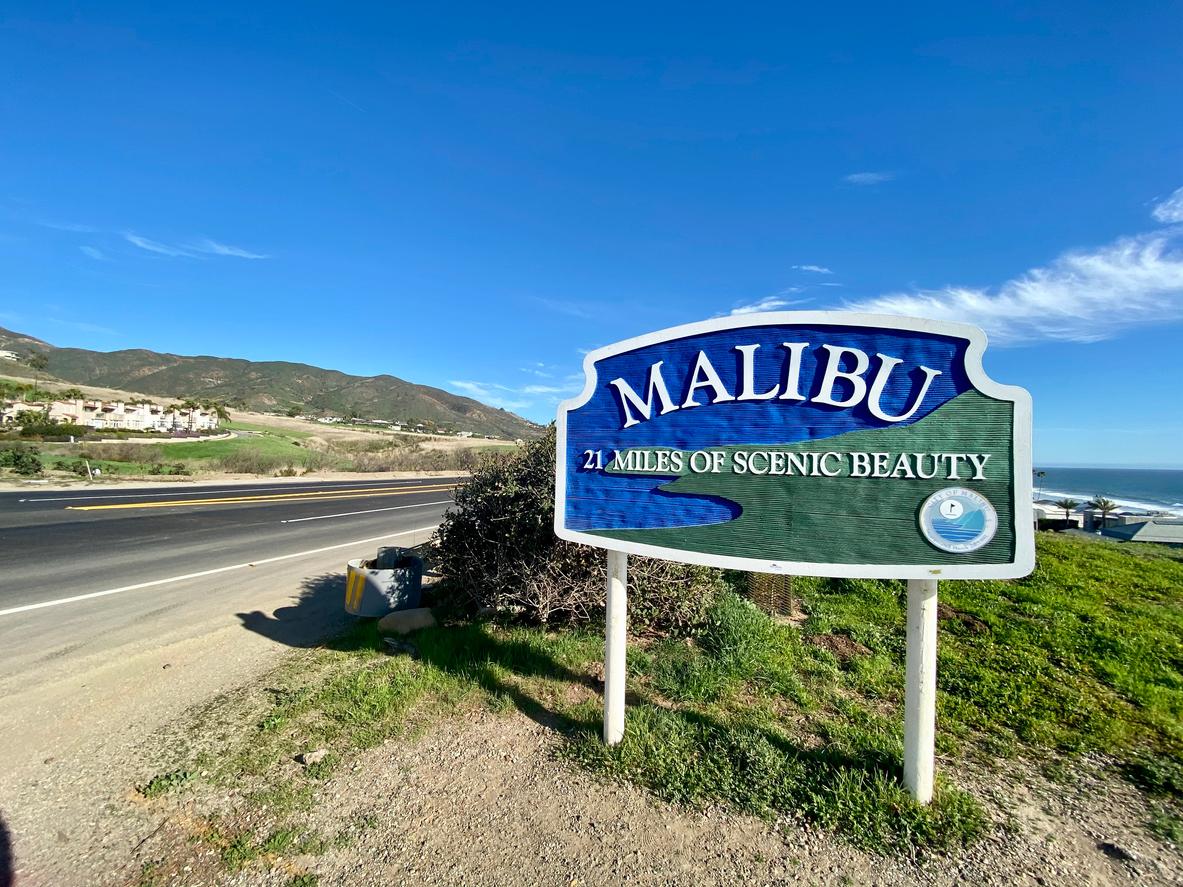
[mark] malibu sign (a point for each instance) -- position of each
(816, 443)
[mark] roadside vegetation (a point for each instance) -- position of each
(256, 449)
(1077, 667)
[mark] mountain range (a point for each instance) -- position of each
(269, 386)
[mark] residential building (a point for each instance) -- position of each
(115, 415)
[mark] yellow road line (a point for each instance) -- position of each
(325, 496)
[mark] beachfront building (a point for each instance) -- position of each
(1162, 531)
(1082, 517)
(115, 415)
(1049, 512)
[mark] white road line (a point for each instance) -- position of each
(206, 491)
(270, 560)
(300, 520)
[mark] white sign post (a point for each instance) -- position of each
(920, 688)
(615, 647)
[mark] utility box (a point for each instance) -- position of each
(391, 581)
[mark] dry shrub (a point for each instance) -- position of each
(498, 550)
(247, 461)
(147, 454)
(414, 458)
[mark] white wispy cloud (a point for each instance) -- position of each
(542, 389)
(492, 394)
(768, 303)
(813, 269)
(93, 252)
(204, 246)
(224, 249)
(154, 246)
(1171, 209)
(1081, 296)
(519, 397)
(582, 310)
(68, 226)
(868, 178)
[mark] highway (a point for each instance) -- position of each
(69, 553)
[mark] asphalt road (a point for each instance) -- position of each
(85, 573)
(63, 544)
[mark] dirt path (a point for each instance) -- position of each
(492, 802)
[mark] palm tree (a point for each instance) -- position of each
(38, 363)
(1103, 505)
(1067, 505)
(1039, 476)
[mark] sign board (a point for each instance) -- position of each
(813, 443)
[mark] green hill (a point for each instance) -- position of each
(270, 386)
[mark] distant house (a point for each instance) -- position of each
(1162, 531)
(9, 355)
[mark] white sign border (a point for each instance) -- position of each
(1024, 561)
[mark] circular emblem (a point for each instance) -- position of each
(958, 520)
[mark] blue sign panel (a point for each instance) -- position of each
(816, 443)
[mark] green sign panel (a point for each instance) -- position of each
(816, 443)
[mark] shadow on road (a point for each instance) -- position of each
(7, 863)
(318, 612)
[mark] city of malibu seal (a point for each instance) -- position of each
(958, 520)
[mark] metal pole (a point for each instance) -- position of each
(615, 645)
(920, 692)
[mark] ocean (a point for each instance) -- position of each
(1151, 489)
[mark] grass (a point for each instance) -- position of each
(258, 428)
(263, 451)
(1083, 656)
(165, 783)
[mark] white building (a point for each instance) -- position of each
(9, 355)
(115, 415)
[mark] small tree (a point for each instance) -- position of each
(1103, 505)
(1039, 476)
(1067, 505)
(38, 363)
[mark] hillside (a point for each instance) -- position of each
(267, 386)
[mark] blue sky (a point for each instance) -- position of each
(469, 196)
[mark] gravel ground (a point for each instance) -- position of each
(491, 802)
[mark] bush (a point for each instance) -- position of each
(498, 550)
(22, 460)
(147, 454)
(76, 466)
(45, 428)
(168, 468)
(250, 461)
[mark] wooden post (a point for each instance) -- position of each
(615, 647)
(920, 692)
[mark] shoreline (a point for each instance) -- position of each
(1174, 509)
